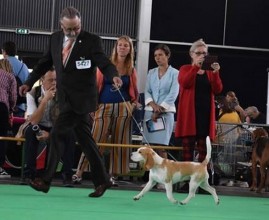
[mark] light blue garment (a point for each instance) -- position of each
(158, 137)
(164, 92)
(21, 70)
(16, 66)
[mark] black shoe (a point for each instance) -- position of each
(100, 190)
(29, 174)
(40, 185)
(67, 180)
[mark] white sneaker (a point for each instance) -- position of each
(244, 184)
(76, 179)
(230, 183)
(4, 174)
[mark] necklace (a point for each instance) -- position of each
(162, 73)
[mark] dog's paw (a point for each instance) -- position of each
(175, 202)
(218, 201)
(136, 198)
(182, 203)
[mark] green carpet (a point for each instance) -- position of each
(19, 202)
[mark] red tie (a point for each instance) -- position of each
(66, 49)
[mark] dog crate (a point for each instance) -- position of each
(232, 148)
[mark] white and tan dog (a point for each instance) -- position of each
(169, 172)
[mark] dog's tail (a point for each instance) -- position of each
(208, 151)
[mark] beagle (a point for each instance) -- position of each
(260, 155)
(169, 172)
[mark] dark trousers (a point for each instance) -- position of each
(68, 155)
(80, 123)
(4, 126)
(31, 150)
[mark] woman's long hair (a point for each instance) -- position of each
(224, 105)
(129, 61)
(5, 65)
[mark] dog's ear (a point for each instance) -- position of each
(259, 132)
(149, 161)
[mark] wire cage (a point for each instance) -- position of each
(232, 146)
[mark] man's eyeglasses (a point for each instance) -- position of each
(75, 29)
(200, 53)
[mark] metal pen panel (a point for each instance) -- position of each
(31, 14)
(39, 18)
(104, 17)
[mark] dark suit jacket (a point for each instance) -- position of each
(76, 88)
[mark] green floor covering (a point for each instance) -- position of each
(18, 202)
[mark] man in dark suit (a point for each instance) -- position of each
(77, 94)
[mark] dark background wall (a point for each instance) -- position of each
(107, 18)
(236, 30)
(238, 36)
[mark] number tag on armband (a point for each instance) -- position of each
(83, 64)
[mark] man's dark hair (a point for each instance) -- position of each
(52, 68)
(70, 12)
(10, 48)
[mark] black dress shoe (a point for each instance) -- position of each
(100, 190)
(67, 180)
(68, 183)
(40, 185)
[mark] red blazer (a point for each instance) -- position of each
(186, 124)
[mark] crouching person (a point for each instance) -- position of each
(41, 112)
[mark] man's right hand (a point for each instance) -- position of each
(24, 89)
(50, 93)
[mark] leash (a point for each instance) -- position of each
(137, 124)
(131, 113)
(211, 165)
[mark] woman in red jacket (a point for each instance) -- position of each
(196, 108)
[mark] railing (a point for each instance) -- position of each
(226, 151)
(22, 140)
